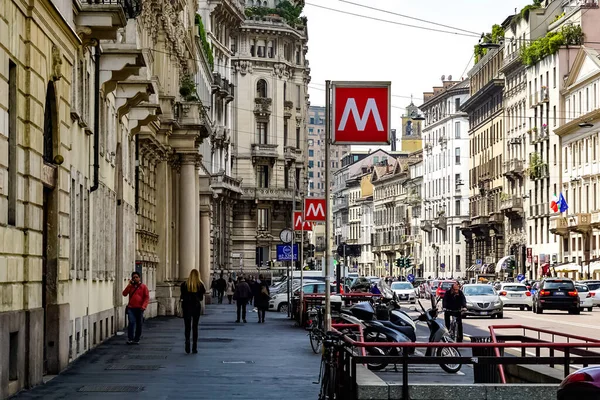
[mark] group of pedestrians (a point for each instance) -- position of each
(192, 294)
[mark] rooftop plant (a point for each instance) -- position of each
(549, 44)
(205, 44)
(286, 10)
(495, 36)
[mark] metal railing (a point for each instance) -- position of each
(353, 355)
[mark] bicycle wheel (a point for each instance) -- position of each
(315, 341)
(323, 393)
(449, 352)
(332, 384)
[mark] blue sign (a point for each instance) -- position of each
(284, 252)
(520, 277)
(478, 261)
(442, 266)
(410, 278)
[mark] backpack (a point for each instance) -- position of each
(264, 291)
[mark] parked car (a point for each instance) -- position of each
(482, 300)
(443, 286)
(405, 291)
(583, 384)
(556, 294)
(585, 298)
(594, 287)
(515, 295)
(279, 300)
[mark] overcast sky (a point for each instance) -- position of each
(348, 47)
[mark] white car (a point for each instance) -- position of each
(279, 301)
(585, 298)
(515, 295)
(405, 291)
(594, 287)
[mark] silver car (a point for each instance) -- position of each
(482, 300)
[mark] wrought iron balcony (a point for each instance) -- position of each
(544, 95)
(262, 106)
(513, 207)
(580, 222)
(559, 225)
(264, 151)
(101, 19)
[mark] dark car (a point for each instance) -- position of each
(556, 294)
(583, 384)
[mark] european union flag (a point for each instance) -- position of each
(562, 203)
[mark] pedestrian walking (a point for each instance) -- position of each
(221, 285)
(241, 295)
(261, 299)
(213, 286)
(138, 301)
(229, 289)
(250, 282)
(192, 294)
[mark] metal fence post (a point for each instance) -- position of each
(405, 394)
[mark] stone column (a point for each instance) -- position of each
(197, 217)
(205, 244)
(187, 215)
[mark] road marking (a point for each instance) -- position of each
(563, 323)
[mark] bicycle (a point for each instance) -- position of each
(331, 387)
(452, 331)
(316, 332)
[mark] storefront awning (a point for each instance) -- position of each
(503, 261)
(572, 267)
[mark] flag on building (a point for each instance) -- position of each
(554, 203)
(562, 204)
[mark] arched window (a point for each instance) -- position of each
(49, 115)
(261, 88)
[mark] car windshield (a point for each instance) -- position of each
(565, 285)
(446, 285)
(479, 290)
(582, 288)
(401, 286)
(515, 288)
(593, 286)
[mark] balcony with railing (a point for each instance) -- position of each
(103, 18)
(512, 206)
(479, 220)
(511, 58)
(222, 184)
(580, 222)
(291, 153)
(595, 219)
(544, 98)
(559, 225)
(340, 204)
(264, 151)
(217, 82)
(262, 106)
(513, 168)
(441, 222)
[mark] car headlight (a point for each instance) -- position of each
(498, 302)
(469, 304)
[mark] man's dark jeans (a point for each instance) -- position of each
(134, 330)
(459, 325)
(241, 308)
(220, 294)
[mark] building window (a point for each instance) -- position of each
(457, 156)
(311, 153)
(457, 130)
(262, 176)
(286, 178)
(457, 208)
(285, 132)
(262, 216)
(261, 88)
(261, 131)
(457, 105)
(12, 143)
(298, 137)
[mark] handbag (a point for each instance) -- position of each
(179, 312)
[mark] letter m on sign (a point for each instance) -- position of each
(361, 112)
(314, 210)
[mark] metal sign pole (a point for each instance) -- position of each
(327, 200)
(291, 274)
(302, 267)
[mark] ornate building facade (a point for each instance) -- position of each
(271, 75)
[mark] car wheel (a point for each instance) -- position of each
(529, 308)
(575, 311)
(538, 310)
(522, 308)
(283, 308)
(500, 316)
(590, 309)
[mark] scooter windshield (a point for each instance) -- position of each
(385, 289)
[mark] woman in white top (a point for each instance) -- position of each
(230, 289)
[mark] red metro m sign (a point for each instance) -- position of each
(361, 112)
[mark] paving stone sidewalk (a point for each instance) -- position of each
(235, 361)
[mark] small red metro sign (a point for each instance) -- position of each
(361, 112)
(300, 224)
(314, 209)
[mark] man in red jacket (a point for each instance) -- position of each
(138, 301)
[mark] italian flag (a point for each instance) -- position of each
(554, 203)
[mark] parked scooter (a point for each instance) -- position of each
(390, 331)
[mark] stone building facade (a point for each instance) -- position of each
(271, 75)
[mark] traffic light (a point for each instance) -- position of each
(512, 264)
(398, 262)
(407, 263)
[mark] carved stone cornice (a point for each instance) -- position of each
(242, 66)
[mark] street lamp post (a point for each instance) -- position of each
(436, 249)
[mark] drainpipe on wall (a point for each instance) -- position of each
(137, 174)
(96, 118)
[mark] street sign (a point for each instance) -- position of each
(284, 252)
(478, 261)
(299, 224)
(410, 278)
(520, 277)
(442, 266)
(361, 113)
(314, 209)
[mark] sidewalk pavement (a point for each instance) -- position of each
(234, 361)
